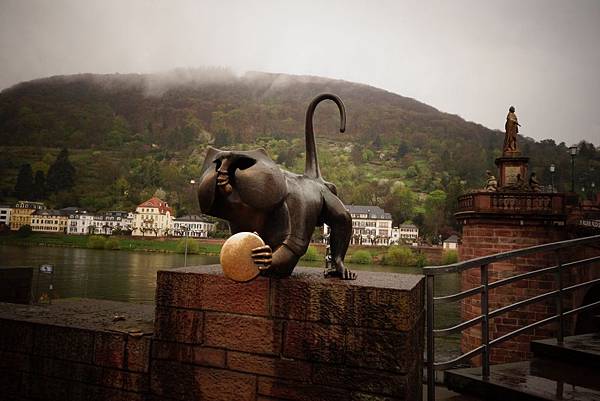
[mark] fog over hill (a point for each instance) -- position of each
(50, 111)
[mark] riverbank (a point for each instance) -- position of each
(393, 256)
(124, 243)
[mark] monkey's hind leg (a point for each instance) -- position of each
(338, 219)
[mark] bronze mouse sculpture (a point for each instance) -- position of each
(250, 191)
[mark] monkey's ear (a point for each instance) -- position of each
(210, 156)
(261, 154)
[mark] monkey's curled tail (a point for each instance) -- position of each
(311, 168)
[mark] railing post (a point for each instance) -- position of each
(485, 336)
(559, 300)
(430, 344)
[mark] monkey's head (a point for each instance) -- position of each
(249, 177)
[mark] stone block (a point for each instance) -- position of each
(387, 301)
(17, 336)
(290, 390)
(366, 380)
(383, 349)
(137, 351)
(109, 349)
(206, 356)
(243, 333)
(314, 341)
(64, 343)
(181, 325)
(268, 366)
(205, 288)
(186, 382)
(221, 294)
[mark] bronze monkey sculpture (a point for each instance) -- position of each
(250, 191)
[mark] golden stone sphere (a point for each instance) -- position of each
(236, 256)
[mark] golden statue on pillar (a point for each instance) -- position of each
(512, 129)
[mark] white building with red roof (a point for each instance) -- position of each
(153, 218)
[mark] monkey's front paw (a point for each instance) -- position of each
(262, 257)
(347, 274)
(341, 272)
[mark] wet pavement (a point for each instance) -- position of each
(90, 314)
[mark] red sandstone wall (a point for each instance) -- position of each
(489, 237)
(304, 338)
(46, 362)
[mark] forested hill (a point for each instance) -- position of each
(131, 136)
(173, 109)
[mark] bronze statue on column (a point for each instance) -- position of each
(512, 129)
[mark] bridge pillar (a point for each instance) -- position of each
(494, 222)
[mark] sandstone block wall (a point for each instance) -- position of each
(73, 351)
(302, 338)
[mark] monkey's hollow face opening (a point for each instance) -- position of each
(226, 168)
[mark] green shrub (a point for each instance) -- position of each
(399, 256)
(192, 246)
(449, 257)
(96, 242)
(112, 243)
(361, 257)
(421, 260)
(24, 231)
(311, 254)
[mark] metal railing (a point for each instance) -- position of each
(483, 289)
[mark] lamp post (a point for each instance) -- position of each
(186, 235)
(552, 170)
(186, 239)
(573, 153)
(593, 191)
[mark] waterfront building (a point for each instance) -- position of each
(49, 221)
(192, 226)
(4, 216)
(371, 225)
(20, 215)
(80, 222)
(112, 222)
(451, 242)
(404, 233)
(152, 218)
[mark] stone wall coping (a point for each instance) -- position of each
(86, 314)
(367, 279)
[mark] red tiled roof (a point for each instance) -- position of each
(162, 206)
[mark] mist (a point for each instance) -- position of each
(470, 58)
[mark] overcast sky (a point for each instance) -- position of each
(471, 58)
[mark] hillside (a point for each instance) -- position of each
(131, 135)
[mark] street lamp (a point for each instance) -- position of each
(573, 153)
(552, 170)
(186, 235)
(186, 239)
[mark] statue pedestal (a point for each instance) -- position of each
(299, 338)
(508, 169)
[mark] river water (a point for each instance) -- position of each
(131, 276)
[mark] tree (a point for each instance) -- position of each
(377, 142)
(401, 204)
(39, 186)
(435, 213)
(61, 174)
(24, 188)
(402, 150)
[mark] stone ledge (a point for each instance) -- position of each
(388, 301)
(87, 314)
